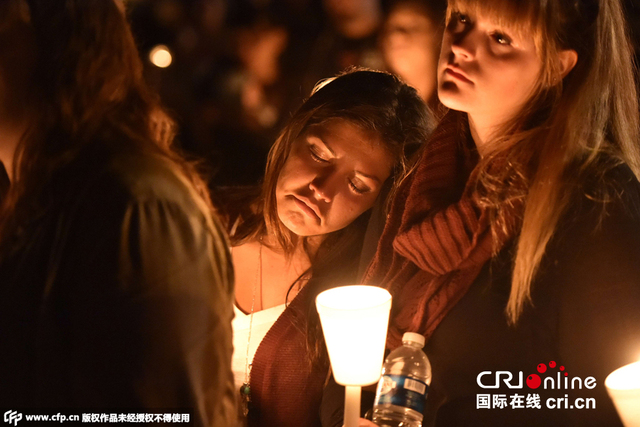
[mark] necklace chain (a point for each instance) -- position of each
(245, 390)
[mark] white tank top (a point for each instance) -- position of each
(262, 322)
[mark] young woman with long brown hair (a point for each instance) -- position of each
(304, 233)
(115, 281)
(514, 244)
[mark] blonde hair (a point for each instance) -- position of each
(573, 129)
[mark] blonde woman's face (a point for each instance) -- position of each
(484, 70)
(333, 174)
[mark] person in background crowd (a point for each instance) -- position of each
(250, 104)
(514, 243)
(116, 285)
(303, 234)
(234, 78)
(349, 39)
(410, 43)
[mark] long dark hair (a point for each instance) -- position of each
(375, 101)
(87, 86)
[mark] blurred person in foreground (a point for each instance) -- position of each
(115, 279)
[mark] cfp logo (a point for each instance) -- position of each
(12, 417)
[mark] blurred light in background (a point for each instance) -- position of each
(160, 56)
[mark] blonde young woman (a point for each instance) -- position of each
(514, 244)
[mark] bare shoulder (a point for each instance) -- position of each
(245, 265)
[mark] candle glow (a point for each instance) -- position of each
(623, 386)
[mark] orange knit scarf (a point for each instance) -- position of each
(436, 239)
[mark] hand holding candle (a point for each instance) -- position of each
(354, 322)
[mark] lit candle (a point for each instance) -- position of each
(623, 386)
(354, 323)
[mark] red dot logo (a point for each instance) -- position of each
(552, 364)
(542, 368)
(533, 381)
(562, 368)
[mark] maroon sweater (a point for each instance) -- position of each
(285, 389)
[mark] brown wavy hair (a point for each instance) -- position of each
(572, 131)
(374, 101)
(87, 86)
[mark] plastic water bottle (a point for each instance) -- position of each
(402, 390)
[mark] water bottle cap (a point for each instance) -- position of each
(413, 337)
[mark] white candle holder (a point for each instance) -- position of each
(623, 386)
(354, 323)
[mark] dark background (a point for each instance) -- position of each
(241, 67)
